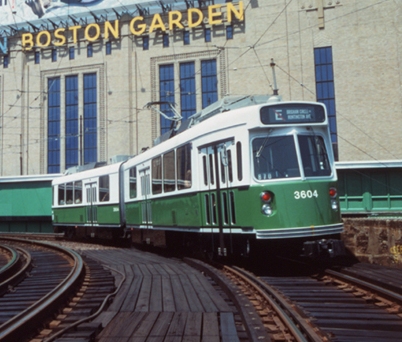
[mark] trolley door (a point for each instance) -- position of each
(91, 194)
(146, 208)
(217, 176)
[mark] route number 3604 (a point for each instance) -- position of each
(305, 194)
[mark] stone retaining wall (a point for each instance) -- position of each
(375, 240)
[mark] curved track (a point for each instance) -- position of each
(44, 281)
(358, 303)
(283, 321)
(362, 305)
(9, 264)
(7, 257)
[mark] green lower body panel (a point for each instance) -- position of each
(102, 215)
(173, 212)
(298, 209)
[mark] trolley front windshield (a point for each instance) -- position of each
(276, 157)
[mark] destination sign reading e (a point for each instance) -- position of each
(292, 113)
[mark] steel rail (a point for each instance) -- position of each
(14, 272)
(5, 270)
(301, 330)
(254, 328)
(16, 328)
(388, 294)
(94, 315)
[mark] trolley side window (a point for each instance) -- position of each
(211, 168)
(169, 172)
(239, 161)
(104, 189)
(230, 166)
(62, 188)
(69, 193)
(133, 182)
(275, 157)
(205, 171)
(77, 192)
(157, 175)
(226, 161)
(314, 156)
(183, 165)
(223, 175)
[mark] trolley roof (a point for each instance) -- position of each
(377, 164)
(84, 175)
(29, 178)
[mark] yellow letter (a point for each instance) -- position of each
(39, 36)
(27, 39)
(175, 21)
(97, 32)
(212, 14)
(141, 27)
(190, 13)
(157, 23)
(61, 37)
(232, 10)
(113, 30)
(74, 29)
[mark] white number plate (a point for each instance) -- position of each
(305, 194)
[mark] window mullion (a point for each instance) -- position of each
(80, 120)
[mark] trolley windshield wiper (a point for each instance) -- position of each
(259, 152)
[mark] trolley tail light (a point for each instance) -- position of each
(333, 194)
(266, 198)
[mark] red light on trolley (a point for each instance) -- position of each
(332, 192)
(266, 196)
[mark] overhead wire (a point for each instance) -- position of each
(257, 43)
(270, 25)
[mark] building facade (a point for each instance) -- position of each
(74, 86)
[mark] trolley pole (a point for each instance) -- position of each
(276, 90)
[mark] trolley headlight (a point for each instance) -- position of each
(266, 209)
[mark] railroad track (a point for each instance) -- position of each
(6, 254)
(282, 320)
(39, 280)
(361, 303)
(9, 264)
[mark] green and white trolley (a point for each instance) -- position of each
(243, 171)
